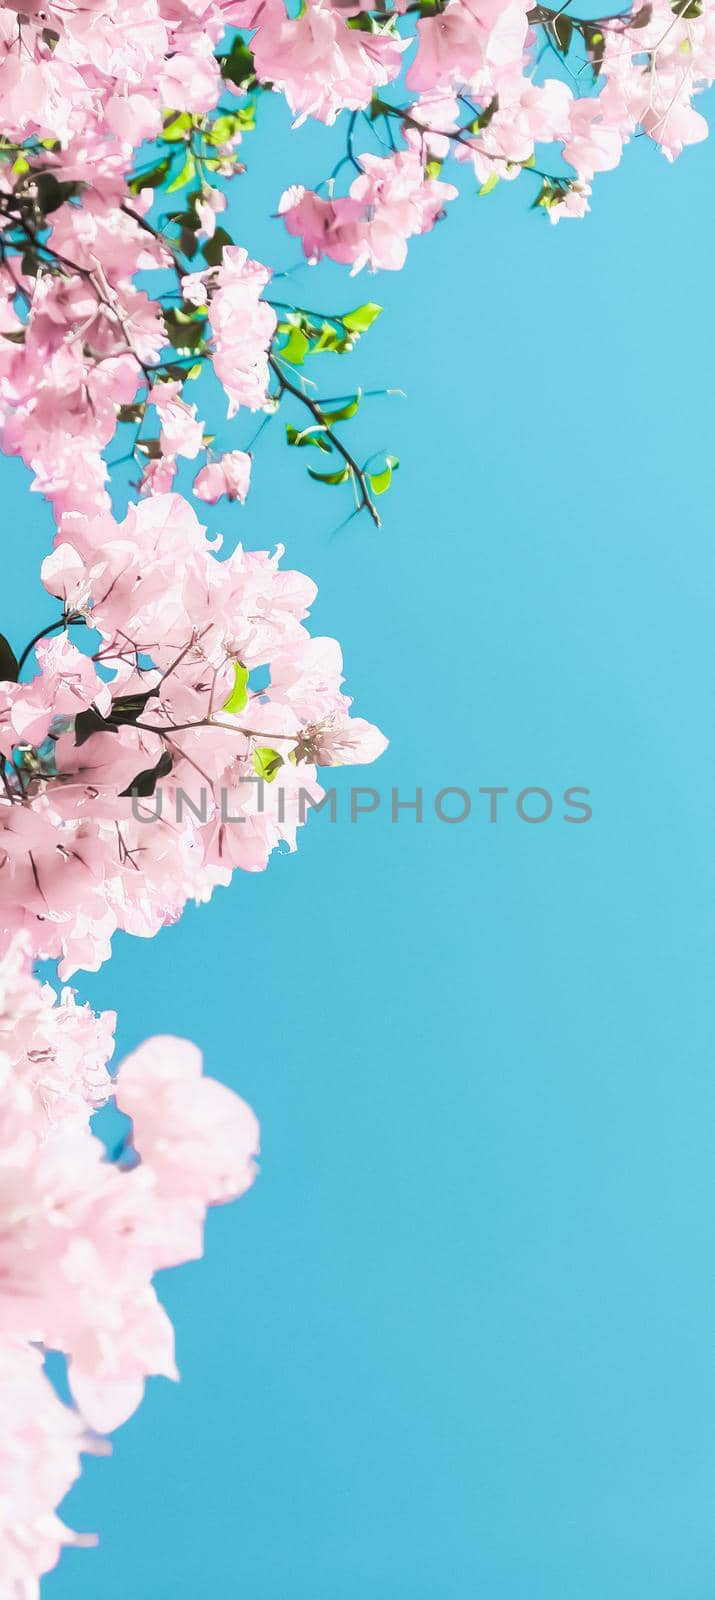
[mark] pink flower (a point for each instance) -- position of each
(181, 430)
(389, 202)
(195, 1134)
(242, 326)
(230, 475)
(322, 65)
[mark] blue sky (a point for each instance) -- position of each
(458, 1341)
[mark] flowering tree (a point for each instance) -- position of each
(143, 728)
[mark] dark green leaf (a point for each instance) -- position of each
(52, 193)
(562, 29)
(214, 248)
(306, 436)
(238, 66)
(185, 333)
(88, 722)
(145, 782)
(127, 708)
(152, 179)
(331, 477)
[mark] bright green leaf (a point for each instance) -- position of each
(266, 763)
(344, 412)
(238, 698)
(224, 129)
(490, 184)
(362, 318)
(380, 481)
(188, 171)
(176, 125)
(296, 348)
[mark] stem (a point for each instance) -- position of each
(469, 140)
(359, 478)
(44, 633)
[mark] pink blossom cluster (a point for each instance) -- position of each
(388, 202)
(166, 702)
(71, 68)
(81, 1237)
(81, 86)
(477, 93)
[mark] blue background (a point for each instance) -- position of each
(460, 1338)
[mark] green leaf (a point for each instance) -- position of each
(146, 781)
(362, 318)
(306, 436)
(132, 413)
(152, 179)
(246, 117)
(8, 662)
(127, 707)
(687, 9)
(330, 339)
(88, 722)
(238, 67)
(238, 698)
(595, 42)
(380, 481)
(344, 412)
(188, 171)
(552, 193)
(331, 477)
(295, 348)
(184, 332)
(224, 129)
(52, 193)
(433, 169)
(562, 29)
(214, 247)
(485, 116)
(266, 763)
(490, 184)
(176, 125)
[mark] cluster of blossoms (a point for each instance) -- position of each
(484, 82)
(81, 1236)
(172, 670)
(166, 699)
